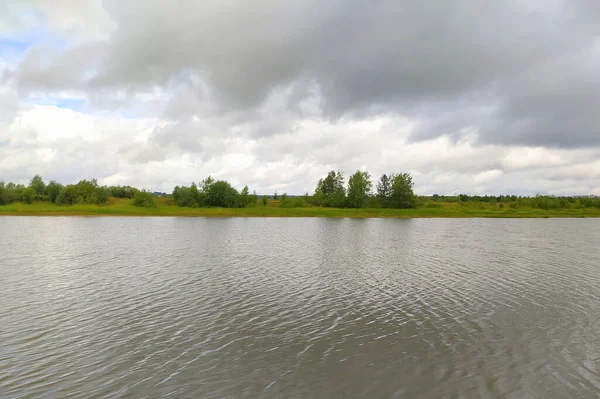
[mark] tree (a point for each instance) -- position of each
(330, 191)
(38, 186)
(384, 190)
(206, 183)
(275, 196)
(222, 194)
(144, 199)
(245, 198)
(53, 190)
(84, 192)
(185, 196)
(359, 188)
(402, 195)
(28, 195)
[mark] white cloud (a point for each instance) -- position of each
(186, 89)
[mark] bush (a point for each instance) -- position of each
(28, 195)
(144, 199)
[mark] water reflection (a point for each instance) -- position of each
(186, 307)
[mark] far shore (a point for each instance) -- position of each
(124, 208)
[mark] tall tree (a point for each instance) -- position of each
(37, 185)
(330, 190)
(53, 190)
(384, 186)
(359, 188)
(384, 190)
(402, 195)
(206, 183)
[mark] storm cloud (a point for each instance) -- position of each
(465, 95)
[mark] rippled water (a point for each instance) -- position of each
(209, 308)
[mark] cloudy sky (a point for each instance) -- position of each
(479, 96)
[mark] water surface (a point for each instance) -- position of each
(325, 308)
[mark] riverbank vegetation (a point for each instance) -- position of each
(392, 196)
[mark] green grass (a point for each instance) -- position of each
(123, 207)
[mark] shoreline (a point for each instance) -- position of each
(127, 210)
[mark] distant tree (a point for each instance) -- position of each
(144, 199)
(185, 196)
(53, 188)
(122, 191)
(38, 186)
(402, 195)
(28, 195)
(265, 200)
(275, 197)
(67, 196)
(330, 190)
(84, 192)
(384, 187)
(359, 188)
(206, 183)
(221, 194)
(245, 199)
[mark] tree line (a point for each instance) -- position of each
(83, 192)
(393, 190)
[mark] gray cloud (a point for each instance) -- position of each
(532, 67)
(469, 96)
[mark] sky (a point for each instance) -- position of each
(477, 97)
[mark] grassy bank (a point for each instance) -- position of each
(123, 207)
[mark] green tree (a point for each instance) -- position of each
(84, 192)
(144, 199)
(245, 199)
(185, 196)
(359, 188)
(330, 190)
(402, 195)
(206, 183)
(221, 194)
(53, 188)
(37, 185)
(384, 190)
(28, 195)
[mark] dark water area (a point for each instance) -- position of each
(281, 308)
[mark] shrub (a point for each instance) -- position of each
(144, 199)
(28, 195)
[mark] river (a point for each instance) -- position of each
(113, 307)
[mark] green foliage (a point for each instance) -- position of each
(330, 191)
(188, 196)
(221, 194)
(122, 191)
(245, 199)
(84, 192)
(38, 187)
(286, 201)
(396, 191)
(53, 189)
(393, 191)
(214, 194)
(402, 195)
(28, 195)
(384, 188)
(144, 199)
(359, 188)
